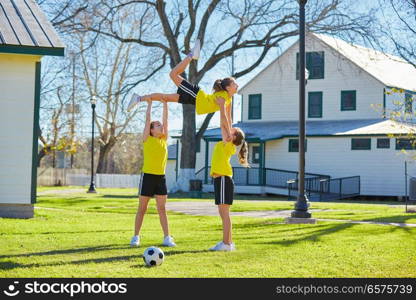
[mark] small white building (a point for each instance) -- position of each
(172, 165)
(350, 148)
(25, 36)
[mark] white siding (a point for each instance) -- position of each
(381, 170)
(280, 89)
(170, 173)
(200, 156)
(17, 86)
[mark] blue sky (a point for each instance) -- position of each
(162, 83)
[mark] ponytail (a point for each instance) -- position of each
(221, 84)
(243, 154)
(218, 85)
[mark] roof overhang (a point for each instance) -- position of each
(31, 50)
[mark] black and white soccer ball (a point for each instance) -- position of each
(153, 256)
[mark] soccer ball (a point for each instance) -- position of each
(153, 256)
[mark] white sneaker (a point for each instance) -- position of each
(168, 241)
(196, 50)
(133, 101)
(221, 247)
(135, 241)
(233, 248)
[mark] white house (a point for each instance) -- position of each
(350, 148)
(25, 36)
(172, 165)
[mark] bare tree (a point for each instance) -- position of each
(401, 29)
(52, 136)
(62, 11)
(224, 28)
(127, 154)
(110, 68)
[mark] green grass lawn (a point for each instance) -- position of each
(87, 235)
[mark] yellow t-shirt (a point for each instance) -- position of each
(206, 103)
(155, 152)
(220, 162)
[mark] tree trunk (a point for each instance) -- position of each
(102, 166)
(188, 153)
(42, 153)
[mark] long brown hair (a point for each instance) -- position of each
(240, 140)
(221, 84)
(152, 125)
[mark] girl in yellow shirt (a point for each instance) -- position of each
(222, 173)
(188, 93)
(153, 181)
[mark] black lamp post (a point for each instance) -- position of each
(92, 185)
(301, 206)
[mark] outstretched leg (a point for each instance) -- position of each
(224, 210)
(160, 97)
(176, 72)
(176, 77)
(151, 97)
(143, 201)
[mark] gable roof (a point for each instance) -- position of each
(274, 130)
(390, 70)
(24, 29)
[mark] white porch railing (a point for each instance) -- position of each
(81, 177)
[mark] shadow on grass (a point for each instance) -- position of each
(10, 265)
(395, 219)
(132, 196)
(63, 232)
(69, 251)
(328, 229)
(314, 235)
(68, 201)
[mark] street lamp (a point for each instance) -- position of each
(92, 185)
(301, 206)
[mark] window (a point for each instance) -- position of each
(315, 63)
(383, 143)
(255, 154)
(315, 104)
(405, 144)
(198, 146)
(254, 106)
(348, 100)
(408, 103)
(294, 145)
(360, 144)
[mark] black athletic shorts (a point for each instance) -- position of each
(224, 190)
(187, 92)
(151, 185)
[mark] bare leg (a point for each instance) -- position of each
(161, 97)
(161, 209)
(176, 72)
(224, 210)
(143, 201)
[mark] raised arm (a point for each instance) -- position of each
(225, 125)
(165, 120)
(230, 118)
(146, 130)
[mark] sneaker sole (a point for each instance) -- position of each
(198, 48)
(132, 104)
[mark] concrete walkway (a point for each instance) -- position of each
(210, 209)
